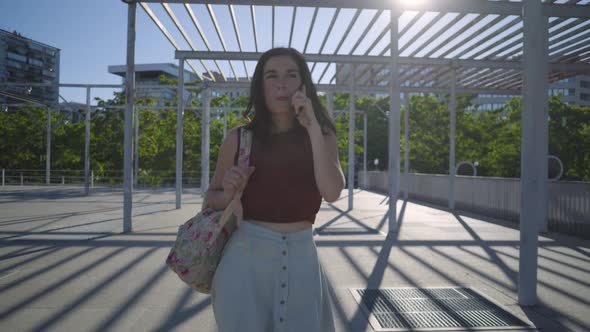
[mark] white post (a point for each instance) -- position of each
(48, 153)
(394, 121)
(205, 140)
(351, 130)
(407, 147)
(224, 123)
(365, 149)
(330, 103)
(3, 177)
(129, 101)
(87, 144)
(92, 179)
(452, 109)
(63, 180)
(179, 111)
(533, 209)
(136, 149)
(21, 179)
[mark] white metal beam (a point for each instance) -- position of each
(179, 130)
(455, 6)
(533, 179)
(453, 116)
(351, 139)
(293, 18)
(129, 102)
(220, 35)
(253, 14)
(163, 29)
(328, 32)
(394, 122)
(197, 25)
(472, 36)
(445, 28)
(315, 14)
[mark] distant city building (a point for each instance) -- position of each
(149, 75)
(574, 90)
(23, 60)
(233, 93)
(366, 74)
(72, 111)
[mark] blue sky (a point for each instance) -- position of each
(92, 35)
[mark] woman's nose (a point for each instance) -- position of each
(281, 84)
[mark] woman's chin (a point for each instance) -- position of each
(280, 111)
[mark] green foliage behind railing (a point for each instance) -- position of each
(492, 138)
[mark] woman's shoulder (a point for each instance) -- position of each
(233, 133)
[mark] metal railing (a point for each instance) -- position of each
(146, 178)
(568, 201)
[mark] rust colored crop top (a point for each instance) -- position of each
(282, 189)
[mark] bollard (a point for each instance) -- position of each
(63, 180)
(3, 177)
(21, 179)
(91, 179)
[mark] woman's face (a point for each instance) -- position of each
(281, 79)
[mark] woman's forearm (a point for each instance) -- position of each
(328, 173)
(217, 199)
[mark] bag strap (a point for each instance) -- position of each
(244, 147)
(244, 150)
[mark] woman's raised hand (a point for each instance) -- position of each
(235, 180)
(303, 108)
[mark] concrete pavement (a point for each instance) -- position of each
(65, 266)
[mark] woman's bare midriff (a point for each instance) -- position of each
(291, 227)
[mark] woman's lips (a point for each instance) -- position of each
(283, 98)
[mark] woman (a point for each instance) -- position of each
(269, 278)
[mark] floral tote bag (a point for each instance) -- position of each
(200, 241)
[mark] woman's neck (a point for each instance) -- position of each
(282, 122)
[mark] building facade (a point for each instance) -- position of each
(147, 77)
(574, 90)
(23, 60)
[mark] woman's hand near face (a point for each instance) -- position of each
(304, 109)
(235, 179)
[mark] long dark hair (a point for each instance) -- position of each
(261, 121)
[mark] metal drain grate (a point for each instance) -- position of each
(392, 309)
(346, 231)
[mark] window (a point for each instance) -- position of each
(36, 62)
(17, 57)
(585, 96)
(585, 84)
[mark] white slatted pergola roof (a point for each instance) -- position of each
(482, 40)
(394, 46)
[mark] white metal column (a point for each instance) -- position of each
(48, 150)
(330, 103)
(87, 145)
(453, 111)
(179, 111)
(205, 137)
(136, 149)
(365, 149)
(533, 181)
(129, 101)
(407, 146)
(224, 123)
(351, 130)
(394, 121)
